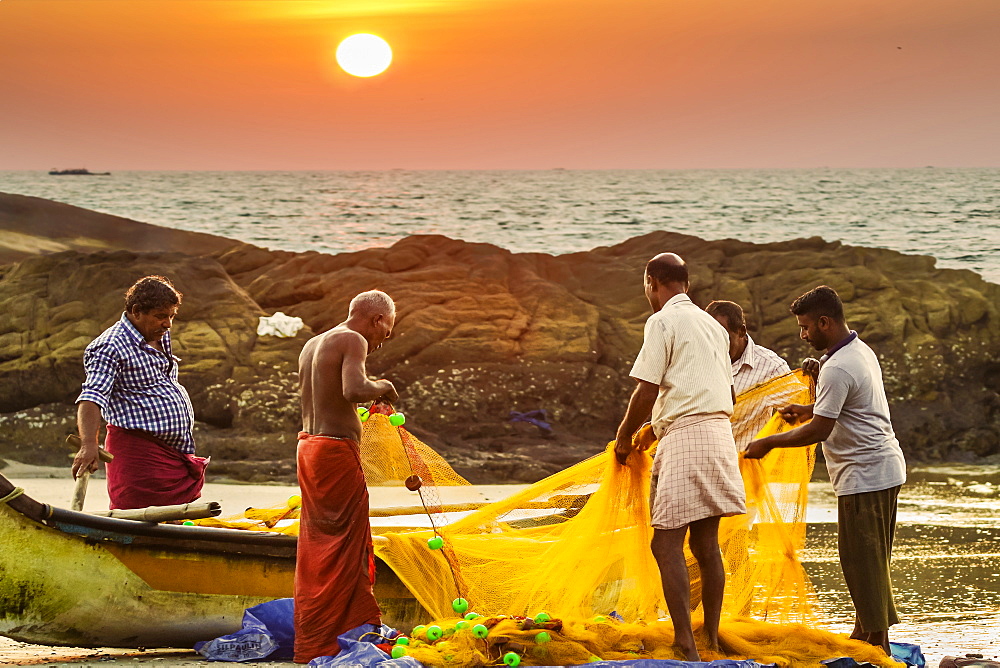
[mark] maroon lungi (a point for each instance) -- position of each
(335, 564)
(147, 472)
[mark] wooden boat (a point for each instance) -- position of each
(71, 578)
(76, 171)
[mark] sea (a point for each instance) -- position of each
(946, 565)
(950, 214)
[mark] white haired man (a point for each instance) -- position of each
(335, 567)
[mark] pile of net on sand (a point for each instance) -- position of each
(562, 642)
(576, 545)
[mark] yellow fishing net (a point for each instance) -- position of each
(561, 642)
(578, 541)
(576, 545)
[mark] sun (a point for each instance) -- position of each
(364, 55)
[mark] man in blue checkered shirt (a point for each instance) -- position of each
(132, 382)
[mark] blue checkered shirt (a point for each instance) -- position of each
(136, 385)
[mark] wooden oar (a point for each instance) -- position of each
(185, 511)
(80, 491)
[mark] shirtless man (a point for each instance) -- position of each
(335, 566)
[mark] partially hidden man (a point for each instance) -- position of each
(684, 380)
(335, 566)
(753, 364)
(131, 380)
(866, 465)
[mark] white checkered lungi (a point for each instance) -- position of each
(696, 472)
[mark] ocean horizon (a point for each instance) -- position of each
(950, 214)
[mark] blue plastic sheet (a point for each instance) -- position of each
(357, 649)
(901, 651)
(845, 662)
(254, 641)
(910, 654)
(536, 417)
(668, 663)
(268, 633)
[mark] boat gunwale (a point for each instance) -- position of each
(149, 534)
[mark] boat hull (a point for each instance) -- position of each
(70, 579)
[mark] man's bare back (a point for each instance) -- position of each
(333, 380)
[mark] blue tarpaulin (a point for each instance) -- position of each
(901, 651)
(268, 632)
(357, 649)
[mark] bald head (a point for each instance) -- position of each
(667, 269)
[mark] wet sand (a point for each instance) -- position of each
(946, 563)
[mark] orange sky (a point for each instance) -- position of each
(500, 84)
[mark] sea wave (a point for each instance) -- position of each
(951, 214)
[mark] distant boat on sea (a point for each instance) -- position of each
(82, 171)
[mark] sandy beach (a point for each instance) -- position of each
(946, 566)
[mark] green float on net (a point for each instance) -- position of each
(542, 617)
(402, 640)
(363, 413)
(472, 615)
(434, 633)
(462, 625)
(435, 543)
(188, 523)
(460, 605)
(542, 637)
(418, 629)
(480, 631)
(398, 651)
(397, 419)
(512, 659)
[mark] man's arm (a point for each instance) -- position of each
(88, 424)
(830, 397)
(639, 408)
(358, 388)
(101, 367)
(812, 432)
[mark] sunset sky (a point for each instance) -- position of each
(500, 84)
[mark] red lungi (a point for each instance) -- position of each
(335, 564)
(147, 472)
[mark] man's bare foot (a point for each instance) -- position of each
(876, 638)
(689, 654)
(725, 648)
(880, 639)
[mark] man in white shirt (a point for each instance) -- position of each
(753, 364)
(683, 378)
(866, 465)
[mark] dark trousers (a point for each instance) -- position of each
(866, 524)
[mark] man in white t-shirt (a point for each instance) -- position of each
(866, 465)
(683, 379)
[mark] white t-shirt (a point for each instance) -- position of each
(862, 453)
(686, 352)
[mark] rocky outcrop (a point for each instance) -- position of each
(482, 331)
